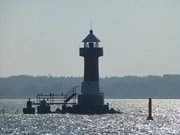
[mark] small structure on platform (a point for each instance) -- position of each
(91, 99)
(43, 102)
(29, 109)
(150, 110)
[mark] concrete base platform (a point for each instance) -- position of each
(89, 104)
(77, 109)
(92, 101)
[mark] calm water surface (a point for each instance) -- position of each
(131, 122)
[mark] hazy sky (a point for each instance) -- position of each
(41, 37)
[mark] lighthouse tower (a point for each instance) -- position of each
(91, 99)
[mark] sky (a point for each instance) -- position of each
(43, 37)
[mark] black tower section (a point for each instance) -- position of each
(91, 99)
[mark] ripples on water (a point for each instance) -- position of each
(132, 122)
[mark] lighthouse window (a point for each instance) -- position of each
(96, 45)
(91, 44)
(86, 45)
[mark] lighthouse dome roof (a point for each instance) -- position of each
(90, 38)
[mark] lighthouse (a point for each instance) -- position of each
(91, 99)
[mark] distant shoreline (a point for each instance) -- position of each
(127, 87)
(33, 97)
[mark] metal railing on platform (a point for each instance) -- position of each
(55, 99)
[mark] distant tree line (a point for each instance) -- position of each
(166, 86)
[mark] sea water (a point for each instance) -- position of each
(132, 121)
